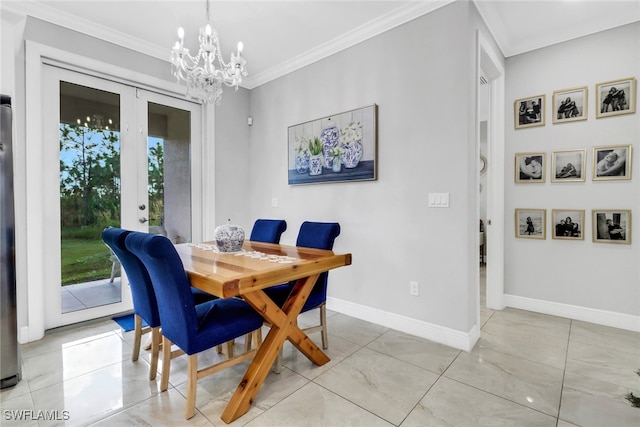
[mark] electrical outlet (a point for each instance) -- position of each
(414, 288)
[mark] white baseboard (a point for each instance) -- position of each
(591, 315)
(440, 334)
(466, 340)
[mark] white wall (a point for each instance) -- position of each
(421, 77)
(582, 279)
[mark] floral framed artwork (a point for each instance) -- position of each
(530, 168)
(529, 112)
(336, 148)
(570, 105)
(611, 162)
(568, 224)
(568, 165)
(531, 223)
(612, 226)
(616, 97)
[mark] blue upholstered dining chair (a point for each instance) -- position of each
(268, 230)
(192, 328)
(145, 306)
(318, 235)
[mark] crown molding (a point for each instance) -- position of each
(44, 12)
(401, 15)
(366, 31)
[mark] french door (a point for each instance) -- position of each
(114, 155)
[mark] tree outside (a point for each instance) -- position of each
(90, 197)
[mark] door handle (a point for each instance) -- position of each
(142, 207)
(142, 220)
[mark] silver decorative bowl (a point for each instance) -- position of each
(229, 238)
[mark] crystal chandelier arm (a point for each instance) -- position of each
(203, 79)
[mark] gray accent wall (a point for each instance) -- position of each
(421, 77)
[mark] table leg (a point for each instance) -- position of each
(283, 326)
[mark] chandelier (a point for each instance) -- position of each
(203, 78)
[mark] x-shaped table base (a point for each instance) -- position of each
(283, 326)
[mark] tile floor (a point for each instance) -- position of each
(528, 369)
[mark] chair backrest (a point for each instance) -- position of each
(142, 293)
(170, 283)
(318, 235)
(268, 230)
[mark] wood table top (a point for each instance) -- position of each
(257, 266)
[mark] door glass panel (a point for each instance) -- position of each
(89, 195)
(169, 179)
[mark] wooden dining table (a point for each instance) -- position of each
(246, 274)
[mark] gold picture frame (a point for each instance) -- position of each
(611, 226)
(568, 165)
(567, 224)
(529, 112)
(570, 105)
(530, 168)
(612, 162)
(531, 223)
(616, 97)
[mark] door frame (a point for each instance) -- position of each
(489, 65)
(31, 272)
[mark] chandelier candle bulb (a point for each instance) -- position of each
(206, 72)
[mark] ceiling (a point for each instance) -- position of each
(282, 36)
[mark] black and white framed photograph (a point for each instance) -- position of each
(567, 224)
(570, 105)
(612, 226)
(611, 162)
(568, 165)
(616, 97)
(530, 168)
(531, 223)
(529, 112)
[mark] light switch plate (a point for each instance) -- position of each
(438, 200)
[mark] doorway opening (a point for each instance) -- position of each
(490, 149)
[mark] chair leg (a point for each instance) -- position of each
(247, 342)
(258, 333)
(113, 272)
(251, 337)
(166, 363)
(278, 365)
(230, 349)
(192, 386)
(137, 337)
(323, 324)
(155, 350)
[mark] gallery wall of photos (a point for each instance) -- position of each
(597, 163)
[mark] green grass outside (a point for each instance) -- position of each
(85, 257)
